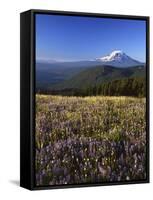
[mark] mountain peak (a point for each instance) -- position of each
(114, 55)
(119, 59)
(117, 53)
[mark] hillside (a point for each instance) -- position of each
(98, 75)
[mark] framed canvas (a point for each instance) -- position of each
(84, 99)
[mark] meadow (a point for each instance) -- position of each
(89, 139)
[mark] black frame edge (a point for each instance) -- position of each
(25, 96)
(148, 97)
(92, 14)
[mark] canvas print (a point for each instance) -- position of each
(90, 100)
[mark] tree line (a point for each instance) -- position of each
(122, 87)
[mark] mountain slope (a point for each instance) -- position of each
(97, 75)
(118, 59)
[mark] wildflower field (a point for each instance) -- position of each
(89, 139)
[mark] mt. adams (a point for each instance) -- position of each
(118, 59)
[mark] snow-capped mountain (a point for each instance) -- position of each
(118, 58)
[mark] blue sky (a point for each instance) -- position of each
(71, 38)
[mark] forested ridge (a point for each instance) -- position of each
(123, 87)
